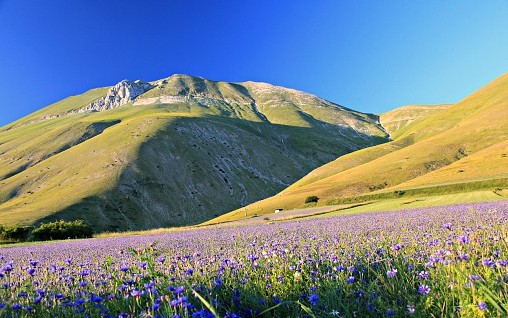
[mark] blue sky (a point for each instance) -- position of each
(367, 55)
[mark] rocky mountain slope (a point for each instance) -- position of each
(446, 148)
(176, 151)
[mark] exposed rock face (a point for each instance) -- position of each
(119, 95)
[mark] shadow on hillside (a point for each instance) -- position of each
(195, 169)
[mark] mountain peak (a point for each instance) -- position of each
(121, 94)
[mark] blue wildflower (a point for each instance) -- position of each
(314, 299)
(79, 302)
(202, 314)
(95, 299)
(23, 294)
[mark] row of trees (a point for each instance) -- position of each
(58, 230)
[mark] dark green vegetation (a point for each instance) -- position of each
(61, 230)
(14, 233)
(181, 152)
(58, 230)
(311, 199)
(462, 148)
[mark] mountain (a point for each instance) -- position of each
(175, 151)
(434, 149)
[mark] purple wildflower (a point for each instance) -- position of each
(489, 263)
(423, 275)
(396, 247)
(447, 226)
(464, 239)
(391, 273)
(424, 289)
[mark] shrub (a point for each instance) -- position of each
(60, 230)
(15, 233)
(312, 199)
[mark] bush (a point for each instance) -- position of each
(312, 199)
(15, 233)
(61, 230)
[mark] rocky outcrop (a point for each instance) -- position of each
(118, 95)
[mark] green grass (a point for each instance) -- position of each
(491, 185)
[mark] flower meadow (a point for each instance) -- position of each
(442, 261)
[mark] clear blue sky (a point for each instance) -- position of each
(367, 55)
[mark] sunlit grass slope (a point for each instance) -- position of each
(395, 120)
(185, 151)
(440, 149)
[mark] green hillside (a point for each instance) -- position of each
(446, 149)
(177, 151)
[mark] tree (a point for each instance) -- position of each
(61, 230)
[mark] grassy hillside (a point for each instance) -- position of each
(395, 120)
(185, 151)
(440, 149)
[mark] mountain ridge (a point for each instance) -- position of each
(179, 153)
